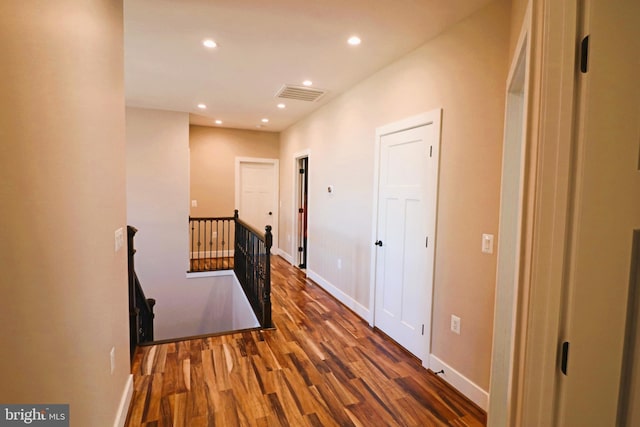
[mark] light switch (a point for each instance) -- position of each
(119, 239)
(487, 243)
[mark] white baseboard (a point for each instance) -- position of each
(215, 273)
(461, 383)
(125, 401)
(276, 251)
(287, 257)
(338, 294)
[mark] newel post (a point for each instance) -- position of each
(268, 241)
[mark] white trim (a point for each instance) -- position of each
(431, 117)
(200, 274)
(125, 401)
(341, 296)
(503, 379)
(286, 257)
(409, 123)
(294, 208)
(461, 383)
(374, 232)
(212, 254)
(551, 133)
(276, 195)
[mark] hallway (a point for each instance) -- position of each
(321, 366)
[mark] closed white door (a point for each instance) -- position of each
(257, 194)
(405, 242)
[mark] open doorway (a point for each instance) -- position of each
(302, 199)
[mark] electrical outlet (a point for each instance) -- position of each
(339, 264)
(455, 324)
(112, 358)
(194, 203)
(119, 239)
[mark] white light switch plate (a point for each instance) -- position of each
(119, 239)
(487, 243)
(112, 359)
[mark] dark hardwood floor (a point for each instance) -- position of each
(321, 366)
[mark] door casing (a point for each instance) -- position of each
(276, 185)
(432, 117)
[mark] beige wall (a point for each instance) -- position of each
(62, 175)
(464, 72)
(158, 205)
(212, 158)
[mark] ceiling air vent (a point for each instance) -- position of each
(300, 93)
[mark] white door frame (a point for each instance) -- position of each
(508, 293)
(548, 170)
(294, 201)
(276, 194)
(435, 117)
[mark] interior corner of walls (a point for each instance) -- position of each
(461, 383)
(341, 296)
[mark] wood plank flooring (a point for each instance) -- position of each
(321, 366)
(211, 264)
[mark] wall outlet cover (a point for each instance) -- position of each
(455, 324)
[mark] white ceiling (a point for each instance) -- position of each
(263, 44)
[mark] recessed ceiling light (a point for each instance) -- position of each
(218, 122)
(354, 40)
(209, 43)
(281, 106)
(307, 82)
(265, 120)
(202, 106)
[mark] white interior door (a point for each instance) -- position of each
(406, 210)
(257, 193)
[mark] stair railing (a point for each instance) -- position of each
(140, 307)
(211, 243)
(252, 266)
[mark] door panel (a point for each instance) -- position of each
(257, 202)
(406, 216)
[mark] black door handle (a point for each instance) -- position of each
(270, 213)
(378, 243)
